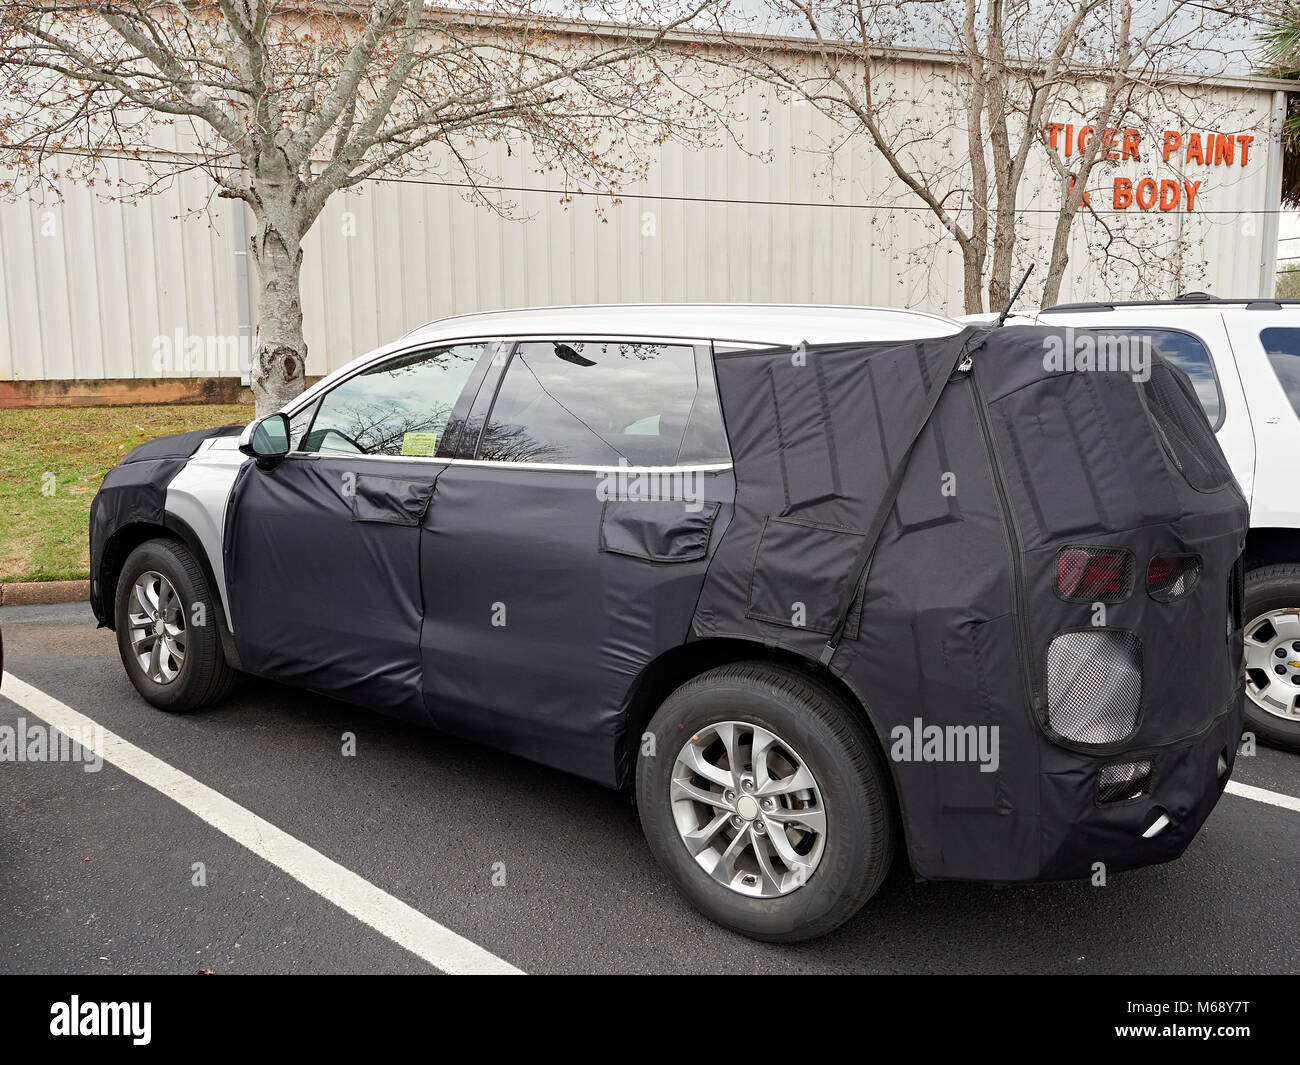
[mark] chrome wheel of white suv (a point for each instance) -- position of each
(1273, 663)
(1272, 653)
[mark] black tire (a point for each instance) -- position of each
(204, 676)
(1268, 589)
(835, 743)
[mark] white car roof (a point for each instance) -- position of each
(991, 317)
(740, 323)
(1129, 311)
(751, 323)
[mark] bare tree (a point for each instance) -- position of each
(958, 98)
(283, 103)
(1281, 59)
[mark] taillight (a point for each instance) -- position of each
(1094, 574)
(1171, 577)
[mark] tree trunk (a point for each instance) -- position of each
(972, 268)
(1059, 260)
(1004, 246)
(1060, 256)
(279, 357)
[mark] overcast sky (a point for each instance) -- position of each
(1212, 39)
(1288, 236)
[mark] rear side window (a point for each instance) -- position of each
(399, 407)
(1283, 349)
(1189, 354)
(1187, 438)
(594, 403)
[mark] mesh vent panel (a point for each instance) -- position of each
(1123, 781)
(1094, 685)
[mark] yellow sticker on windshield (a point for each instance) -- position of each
(421, 445)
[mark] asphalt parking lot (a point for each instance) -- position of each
(542, 871)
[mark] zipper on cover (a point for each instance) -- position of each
(1011, 534)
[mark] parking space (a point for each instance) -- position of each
(538, 869)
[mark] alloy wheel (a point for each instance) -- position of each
(748, 809)
(156, 617)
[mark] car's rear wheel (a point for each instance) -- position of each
(167, 628)
(767, 801)
(1272, 634)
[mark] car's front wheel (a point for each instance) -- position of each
(765, 797)
(1272, 635)
(167, 628)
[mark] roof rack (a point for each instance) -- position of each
(1251, 303)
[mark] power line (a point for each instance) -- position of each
(738, 202)
(1235, 14)
(731, 201)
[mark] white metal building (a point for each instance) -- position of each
(96, 290)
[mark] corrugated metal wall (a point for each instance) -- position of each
(88, 286)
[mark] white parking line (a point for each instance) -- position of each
(1273, 798)
(389, 916)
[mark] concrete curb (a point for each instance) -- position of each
(26, 593)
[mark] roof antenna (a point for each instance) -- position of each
(1006, 311)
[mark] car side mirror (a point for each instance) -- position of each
(267, 439)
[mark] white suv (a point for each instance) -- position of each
(1243, 357)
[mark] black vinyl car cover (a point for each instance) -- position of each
(323, 572)
(896, 512)
(945, 618)
(594, 591)
(510, 605)
(135, 491)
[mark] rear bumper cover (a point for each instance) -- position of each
(1077, 831)
(1071, 835)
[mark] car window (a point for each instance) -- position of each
(399, 407)
(1283, 348)
(594, 403)
(1190, 355)
(299, 423)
